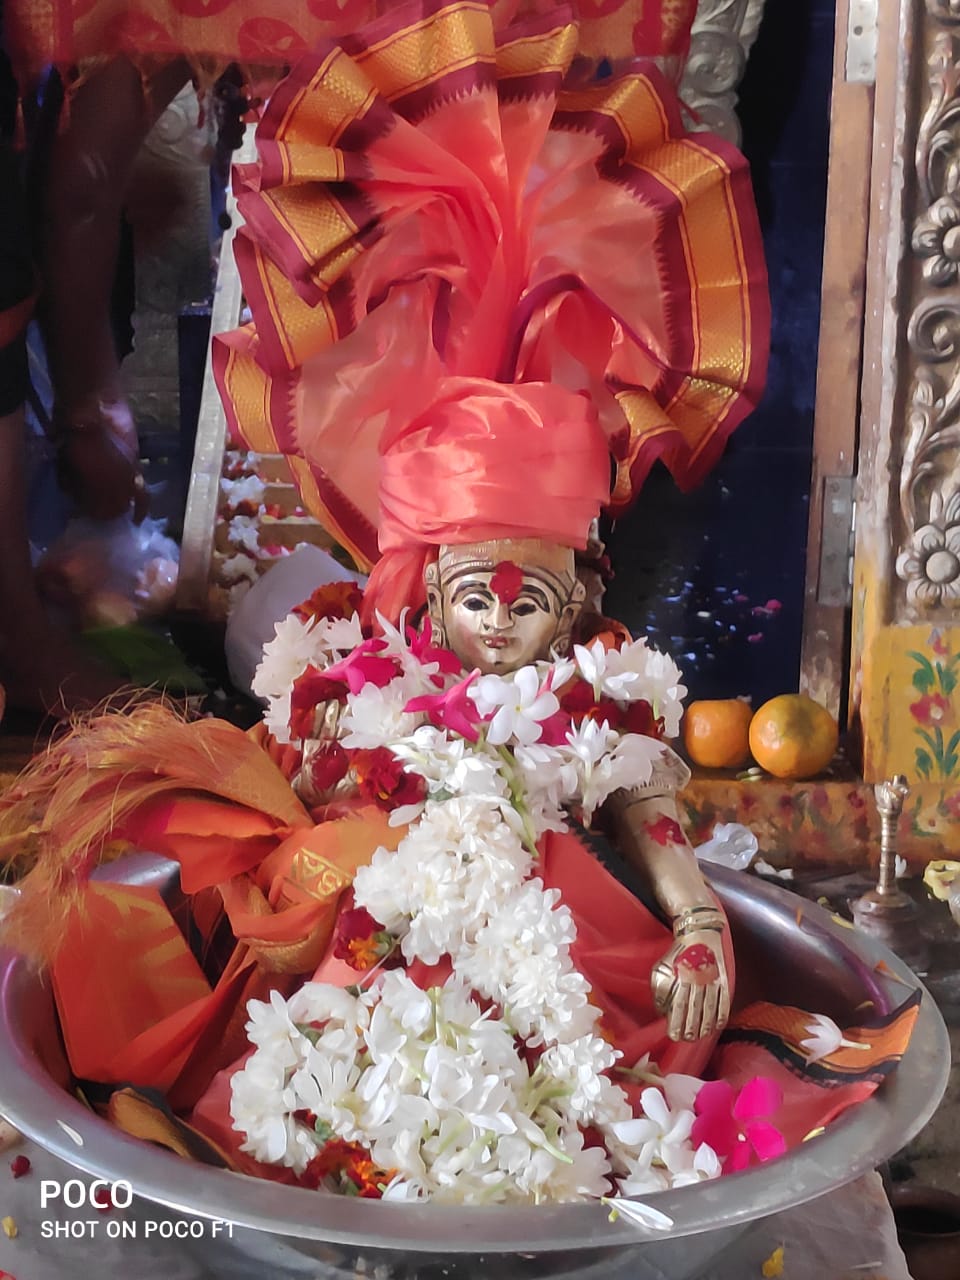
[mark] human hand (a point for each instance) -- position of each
(690, 985)
(98, 463)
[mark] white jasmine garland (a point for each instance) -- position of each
(432, 1082)
(297, 645)
(517, 704)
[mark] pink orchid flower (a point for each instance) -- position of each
(363, 666)
(554, 730)
(426, 652)
(454, 710)
(734, 1124)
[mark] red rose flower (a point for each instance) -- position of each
(382, 778)
(336, 600)
(349, 1166)
(581, 703)
(310, 690)
(360, 939)
(328, 766)
(638, 717)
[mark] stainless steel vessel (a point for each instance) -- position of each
(818, 966)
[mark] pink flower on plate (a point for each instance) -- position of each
(734, 1125)
(454, 710)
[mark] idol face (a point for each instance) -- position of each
(497, 615)
(494, 634)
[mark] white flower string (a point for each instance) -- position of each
(480, 1089)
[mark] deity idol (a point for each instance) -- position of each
(476, 294)
(502, 605)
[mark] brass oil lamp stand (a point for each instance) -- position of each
(886, 912)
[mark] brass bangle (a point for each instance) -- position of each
(696, 918)
(628, 799)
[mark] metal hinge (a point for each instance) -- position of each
(861, 61)
(837, 527)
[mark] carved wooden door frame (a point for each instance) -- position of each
(904, 698)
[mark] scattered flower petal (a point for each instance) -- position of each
(102, 1200)
(764, 868)
(71, 1133)
(637, 1212)
(825, 1038)
(773, 1266)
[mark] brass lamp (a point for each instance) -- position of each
(886, 912)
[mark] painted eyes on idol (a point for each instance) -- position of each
(522, 607)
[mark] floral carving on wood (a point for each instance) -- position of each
(929, 558)
(930, 561)
(944, 10)
(723, 32)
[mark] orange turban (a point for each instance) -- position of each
(486, 461)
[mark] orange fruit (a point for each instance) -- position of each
(715, 732)
(791, 736)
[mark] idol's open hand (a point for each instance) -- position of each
(690, 986)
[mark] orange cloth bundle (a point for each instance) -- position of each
(430, 202)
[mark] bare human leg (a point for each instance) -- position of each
(41, 667)
(87, 176)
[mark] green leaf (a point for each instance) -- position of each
(144, 656)
(948, 766)
(923, 762)
(948, 678)
(924, 678)
(936, 748)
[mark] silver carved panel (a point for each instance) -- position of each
(928, 560)
(723, 32)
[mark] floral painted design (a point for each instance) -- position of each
(934, 712)
(664, 831)
(795, 829)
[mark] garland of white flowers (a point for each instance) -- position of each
(432, 1084)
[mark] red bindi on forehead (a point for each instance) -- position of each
(506, 582)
